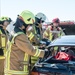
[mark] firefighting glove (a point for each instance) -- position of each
(43, 48)
(47, 53)
(1, 52)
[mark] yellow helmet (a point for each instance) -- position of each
(5, 19)
(28, 17)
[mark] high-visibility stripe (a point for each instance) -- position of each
(0, 32)
(15, 72)
(34, 59)
(8, 56)
(2, 57)
(31, 36)
(46, 33)
(37, 53)
(3, 41)
(26, 60)
(50, 36)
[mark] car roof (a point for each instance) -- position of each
(67, 40)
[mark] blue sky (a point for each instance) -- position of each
(63, 9)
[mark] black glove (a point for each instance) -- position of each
(1, 51)
(43, 48)
(47, 53)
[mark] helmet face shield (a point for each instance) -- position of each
(38, 20)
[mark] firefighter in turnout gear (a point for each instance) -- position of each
(4, 22)
(53, 31)
(39, 19)
(20, 49)
(35, 34)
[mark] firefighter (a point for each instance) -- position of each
(35, 34)
(20, 49)
(53, 31)
(4, 22)
(39, 19)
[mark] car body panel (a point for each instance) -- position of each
(54, 66)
